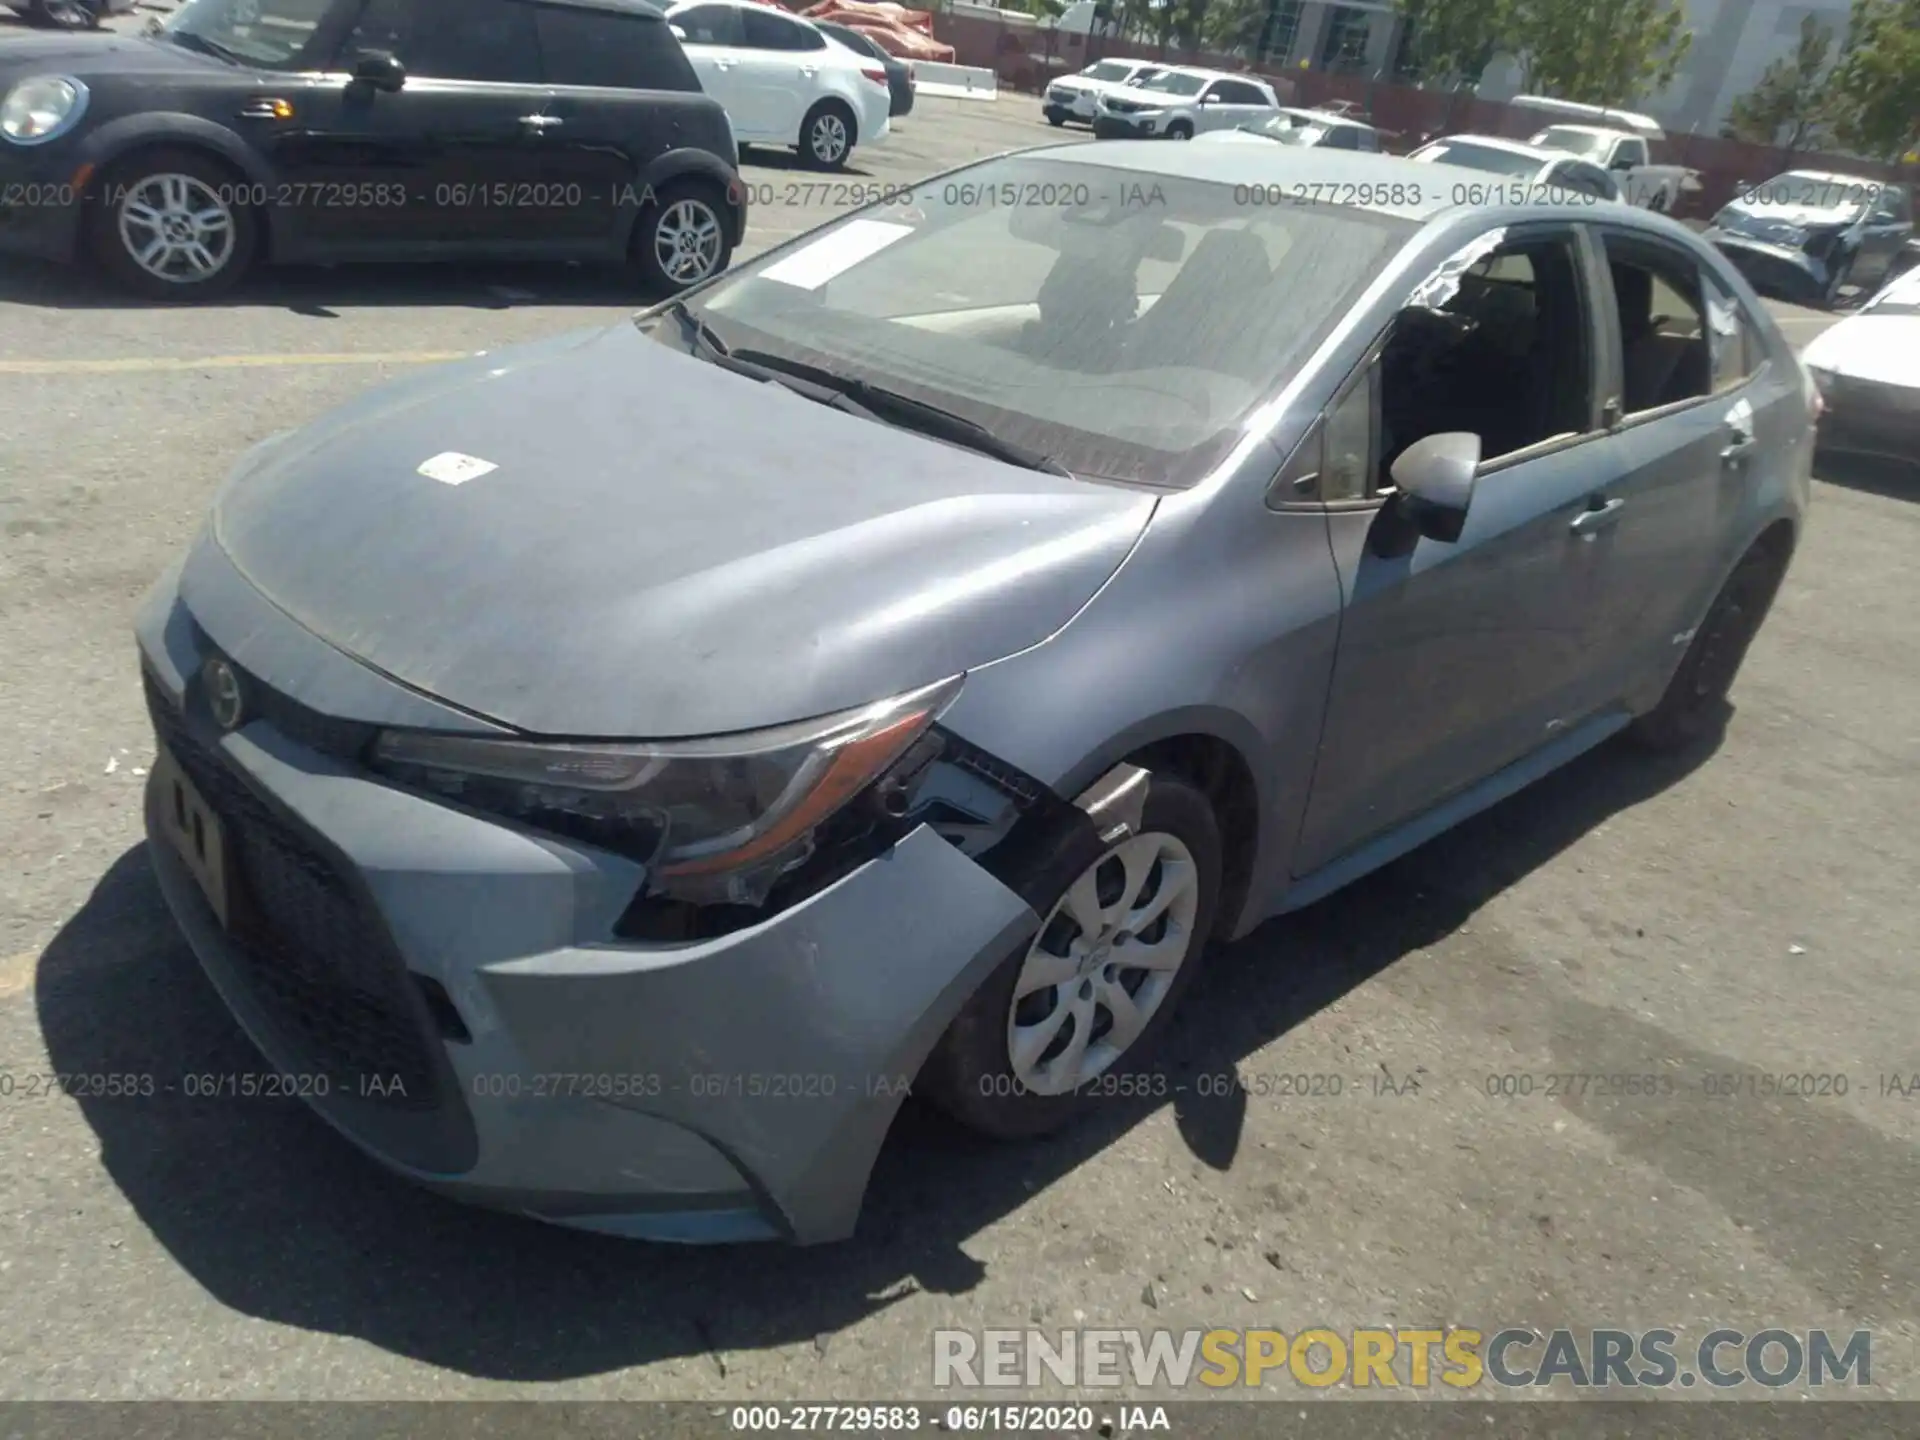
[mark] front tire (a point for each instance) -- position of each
(1180, 130)
(1053, 1029)
(1694, 704)
(827, 136)
(682, 237)
(1836, 282)
(170, 225)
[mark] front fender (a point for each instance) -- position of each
(113, 142)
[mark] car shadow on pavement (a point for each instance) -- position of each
(1874, 474)
(320, 291)
(275, 1216)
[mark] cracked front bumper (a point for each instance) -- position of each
(479, 1028)
(1773, 269)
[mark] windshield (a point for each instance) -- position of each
(1176, 84)
(1799, 190)
(1123, 323)
(269, 33)
(1480, 157)
(1106, 70)
(1574, 141)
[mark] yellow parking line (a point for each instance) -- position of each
(225, 362)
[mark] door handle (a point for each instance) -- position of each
(1589, 523)
(1736, 449)
(541, 122)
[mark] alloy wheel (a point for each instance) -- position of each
(829, 138)
(1103, 963)
(687, 241)
(176, 228)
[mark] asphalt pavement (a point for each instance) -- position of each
(1747, 912)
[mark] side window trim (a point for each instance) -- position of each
(1611, 324)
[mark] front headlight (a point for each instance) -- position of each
(42, 109)
(714, 821)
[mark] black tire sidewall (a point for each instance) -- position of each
(1180, 130)
(1682, 718)
(103, 225)
(641, 249)
(808, 156)
(969, 1075)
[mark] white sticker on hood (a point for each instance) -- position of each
(812, 266)
(450, 467)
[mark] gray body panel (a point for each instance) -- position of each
(648, 565)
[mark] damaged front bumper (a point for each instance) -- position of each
(451, 993)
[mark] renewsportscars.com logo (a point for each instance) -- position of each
(1382, 1358)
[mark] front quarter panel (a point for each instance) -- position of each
(1222, 623)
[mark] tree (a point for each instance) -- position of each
(1875, 87)
(1453, 41)
(1599, 52)
(1793, 94)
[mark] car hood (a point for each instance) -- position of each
(86, 55)
(664, 548)
(1883, 349)
(1810, 217)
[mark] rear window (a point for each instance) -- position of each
(605, 48)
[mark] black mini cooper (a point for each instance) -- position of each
(323, 131)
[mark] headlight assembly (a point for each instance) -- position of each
(714, 821)
(42, 109)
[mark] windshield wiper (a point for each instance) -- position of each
(876, 402)
(190, 40)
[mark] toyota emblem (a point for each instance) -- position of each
(224, 697)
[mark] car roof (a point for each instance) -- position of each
(1834, 177)
(1201, 72)
(1498, 142)
(1264, 165)
(1589, 129)
(1324, 117)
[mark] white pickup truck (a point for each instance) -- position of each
(1619, 142)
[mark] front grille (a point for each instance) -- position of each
(314, 957)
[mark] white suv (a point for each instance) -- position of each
(1178, 104)
(781, 81)
(1077, 97)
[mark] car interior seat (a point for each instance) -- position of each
(1658, 366)
(1205, 306)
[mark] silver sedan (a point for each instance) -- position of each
(609, 774)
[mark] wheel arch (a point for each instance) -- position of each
(675, 166)
(1214, 751)
(114, 144)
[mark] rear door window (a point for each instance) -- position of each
(766, 31)
(709, 24)
(611, 48)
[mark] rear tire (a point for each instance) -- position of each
(682, 236)
(827, 136)
(1174, 864)
(1694, 704)
(170, 225)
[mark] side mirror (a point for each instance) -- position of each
(380, 69)
(1620, 162)
(1433, 481)
(1209, 99)
(678, 33)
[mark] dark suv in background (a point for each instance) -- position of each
(339, 130)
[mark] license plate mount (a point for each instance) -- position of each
(194, 831)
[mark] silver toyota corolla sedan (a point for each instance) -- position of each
(606, 774)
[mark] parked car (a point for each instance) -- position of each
(1178, 104)
(1806, 235)
(900, 83)
(69, 14)
(1524, 171)
(782, 81)
(1868, 369)
(1303, 127)
(1620, 142)
(973, 642)
(1076, 97)
(337, 130)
